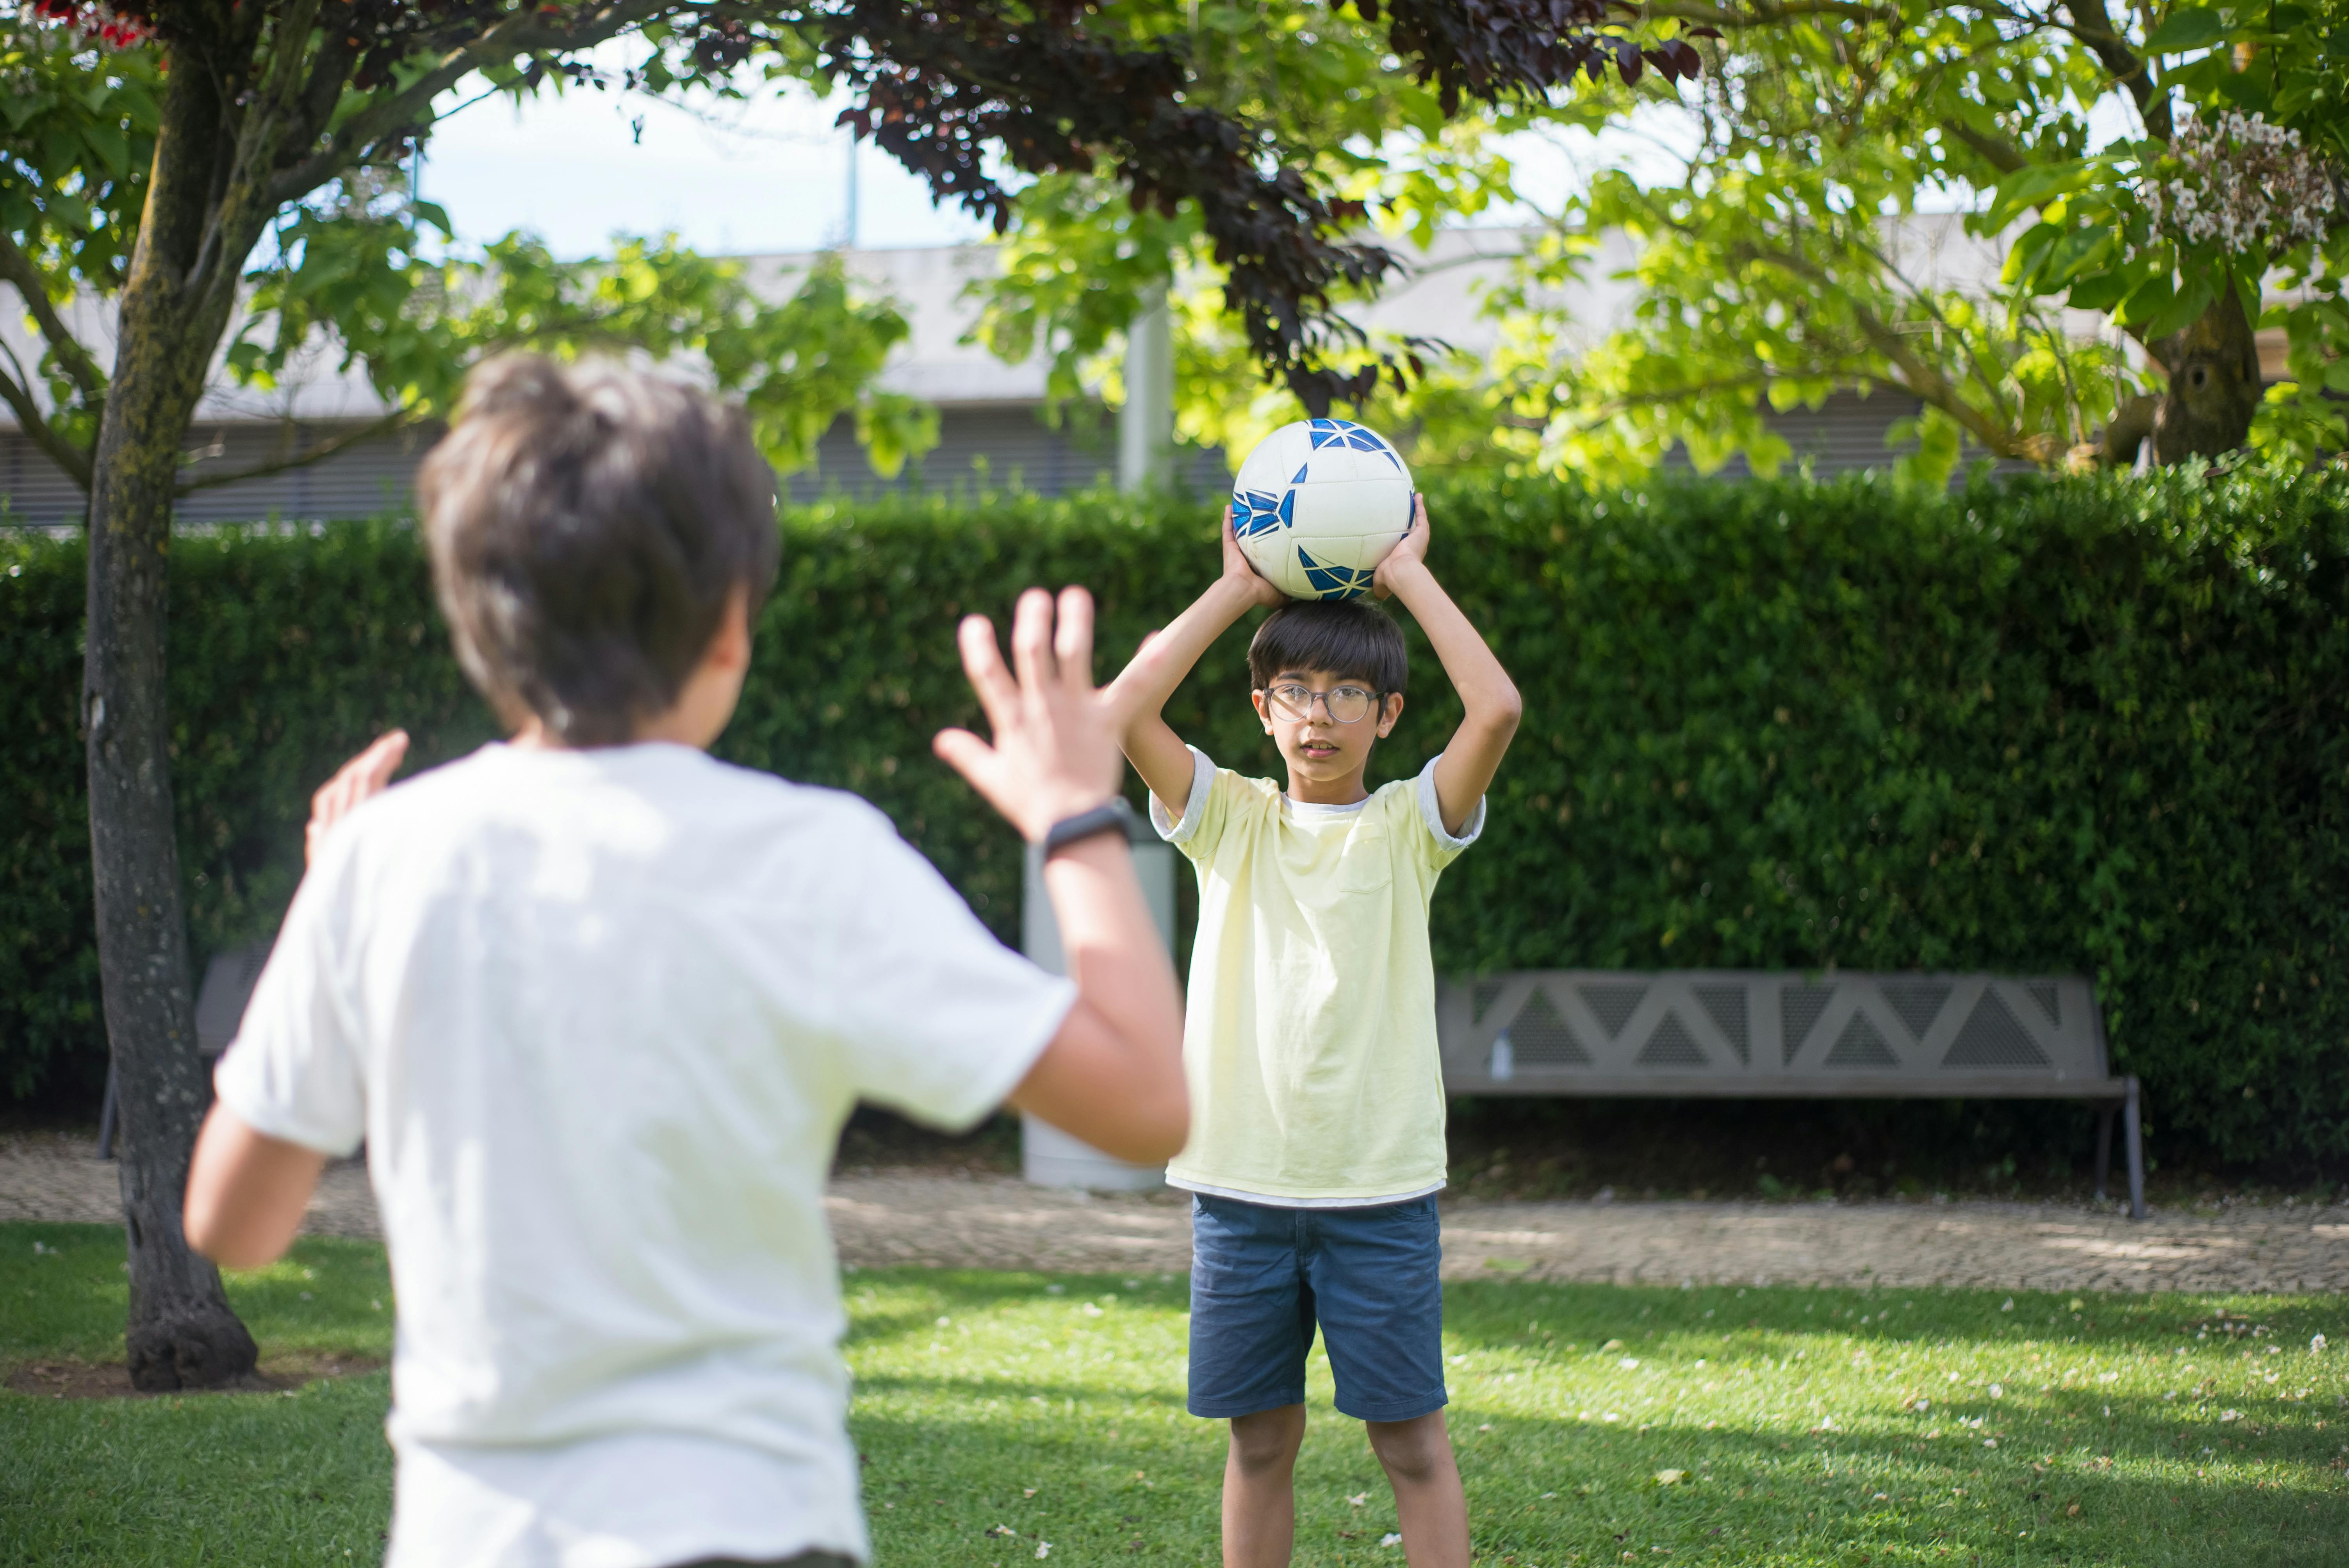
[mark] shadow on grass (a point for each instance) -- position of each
(1065, 1425)
(2050, 1473)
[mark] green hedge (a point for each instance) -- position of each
(2092, 724)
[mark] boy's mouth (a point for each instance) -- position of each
(1318, 751)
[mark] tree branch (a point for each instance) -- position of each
(521, 33)
(398, 419)
(2092, 26)
(1995, 150)
(15, 390)
(1917, 376)
(1770, 13)
(1648, 399)
(265, 120)
(1935, 389)
(407, 418)
(1982, 374)
(17, 268)
(319, 94)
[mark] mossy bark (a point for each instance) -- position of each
(2214, 385)
(181, 1332)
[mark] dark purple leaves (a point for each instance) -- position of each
(945, 80)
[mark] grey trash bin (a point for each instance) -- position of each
(1047, 1156)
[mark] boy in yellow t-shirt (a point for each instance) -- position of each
(1317, 1141)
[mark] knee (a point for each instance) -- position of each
(1411, 1451)
(1266, 1443)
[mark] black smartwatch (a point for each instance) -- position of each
(1113, 815)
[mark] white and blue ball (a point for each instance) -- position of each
(1317, 505)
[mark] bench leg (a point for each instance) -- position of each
(2132, 1129)
(2104, 1146)
(105, 1114)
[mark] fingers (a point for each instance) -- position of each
(341, 793)
(981, 767)
(361, 778)
(378, 762)
(967, 754)
(1031, 641)
(982, 661)
(1072, 640)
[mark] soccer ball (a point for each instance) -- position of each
(1317, 505)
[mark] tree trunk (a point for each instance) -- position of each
(181, 1332)
(2214, 385)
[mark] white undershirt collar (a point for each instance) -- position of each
(1314, 811)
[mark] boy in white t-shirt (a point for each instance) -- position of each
(1317, 1141)
(597, 1004)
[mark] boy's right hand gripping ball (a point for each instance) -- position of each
(1318, 504)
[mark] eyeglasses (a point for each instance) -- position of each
(1344, 704)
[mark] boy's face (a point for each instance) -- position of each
(1325, 724)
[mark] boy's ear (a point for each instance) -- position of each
(729, 646)
(1257, 697)
(1389, 713)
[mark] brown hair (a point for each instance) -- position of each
(1344, 637)
(587, 523)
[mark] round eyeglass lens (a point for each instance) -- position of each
(1347, 704)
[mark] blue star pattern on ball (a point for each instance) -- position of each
(1253, 512)
(1346, 433)
(1334, 582)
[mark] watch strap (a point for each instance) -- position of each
(1113, 815)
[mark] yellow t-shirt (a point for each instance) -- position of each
(1309, 1037)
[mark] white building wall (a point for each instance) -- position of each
(991, 432)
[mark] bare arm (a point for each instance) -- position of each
(1165, 659)
(246, 1192)
(1112, 1075)
(1489, 698)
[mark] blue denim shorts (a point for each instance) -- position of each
(1263, 1277)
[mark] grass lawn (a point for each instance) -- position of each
(1596, 1424)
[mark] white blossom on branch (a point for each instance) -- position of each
(2246, 184)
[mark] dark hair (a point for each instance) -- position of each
(587, 523)
(1344, 637)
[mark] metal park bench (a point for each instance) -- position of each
(1737, 1034)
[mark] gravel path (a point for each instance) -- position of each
(995, 1223)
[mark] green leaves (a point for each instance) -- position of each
(1786, 251)
(2032, 186)
(356, 278)
(2187, 28)
(354, 272)
(82, 123)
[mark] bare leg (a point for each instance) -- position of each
(1430, 1507)
(1259, 1488)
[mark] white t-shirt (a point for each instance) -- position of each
(599, 1016)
